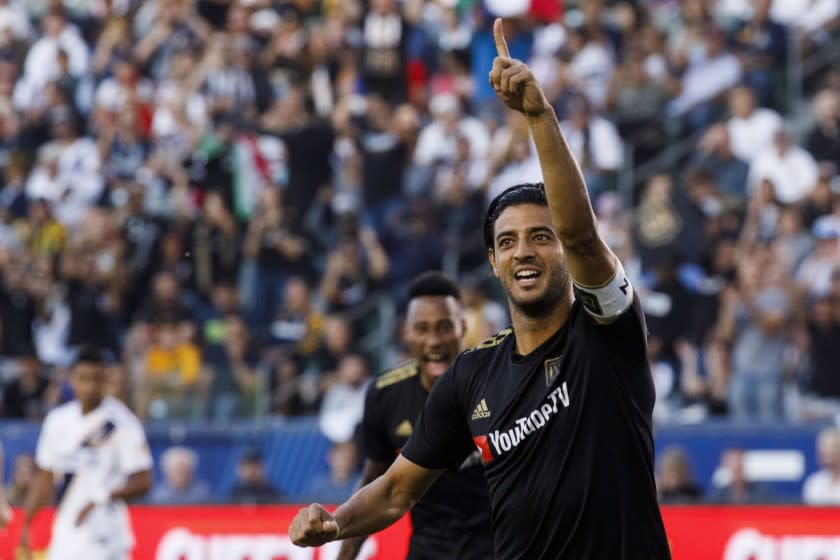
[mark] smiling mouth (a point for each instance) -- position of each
(527, 277)
(436, 363)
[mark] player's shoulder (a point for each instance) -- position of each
(393, 378)
(120, 414)
(488, 346)
(63, 413)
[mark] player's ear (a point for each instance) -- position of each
(491, 256)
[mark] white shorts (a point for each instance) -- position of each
(78, 546)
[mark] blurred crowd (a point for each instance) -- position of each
(743, 477)
(218, 191)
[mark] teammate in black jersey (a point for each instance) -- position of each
(560, 405)
(452, 520)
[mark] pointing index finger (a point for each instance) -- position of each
(499, 36)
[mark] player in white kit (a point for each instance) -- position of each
(94, 450)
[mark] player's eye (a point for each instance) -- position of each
(541, 237)
(505, 242)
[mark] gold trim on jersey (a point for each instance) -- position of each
(494, 340)
(404, 429)
(400, 373)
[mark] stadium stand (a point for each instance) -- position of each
(232, 196)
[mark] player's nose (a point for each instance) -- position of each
(524, 250)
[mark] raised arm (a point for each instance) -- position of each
(590, 261)
(371, 509)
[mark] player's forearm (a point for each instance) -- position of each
(350, 547)
(564, 184)
(38, 496)
(373, 508)
(137, 486)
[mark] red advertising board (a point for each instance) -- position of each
(217, 533)
(259, 533)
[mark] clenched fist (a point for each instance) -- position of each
(513, 81)
(313, 526)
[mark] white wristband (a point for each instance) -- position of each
(609, 300)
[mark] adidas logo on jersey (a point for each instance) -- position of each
(481, 411)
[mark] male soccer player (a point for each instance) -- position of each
(452, 520)
(567, 447)
(96, 449)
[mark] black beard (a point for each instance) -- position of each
(545, 305)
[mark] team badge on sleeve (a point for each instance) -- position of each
(609, 300)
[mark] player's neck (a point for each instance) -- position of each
(88, 408)
(532, 331)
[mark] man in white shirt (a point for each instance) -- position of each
(437, 139)
(823, 487)
(94, 448)
(751, 128)
(792, 170)
(41, 64)
(595, 143)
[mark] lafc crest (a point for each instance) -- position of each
(551, 368)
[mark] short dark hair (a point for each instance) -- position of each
(524, 193)
(91, 355)
(433, 283)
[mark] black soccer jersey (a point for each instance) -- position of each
(452, 520)
(565, 437)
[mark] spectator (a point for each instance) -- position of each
(823, 486)
(656, 223)
(252, 486)
(414, 247)
(761, 44)
(815, 272)
(297, 325)
(18, 306)
(674, 482)
(234, 381)
(791, 170)
(43, 234)
(515, 162)
(385, 152)
(341, 480)
(708, 75)
(73, 180)
(590, 65)
(737, 488)
(215, 249)
(276, 253)
(341, 410)
(14, 204)
(824, 139)
(636, 100)
(41, 63)
(180, 485)
(715, 156)
(756, 317)
(437, 141)
(354, 268)
(23, 474)
(25, 397)
(751, 128)
(171, 384)
(337, 342)
(823, 332)
(596, 145)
